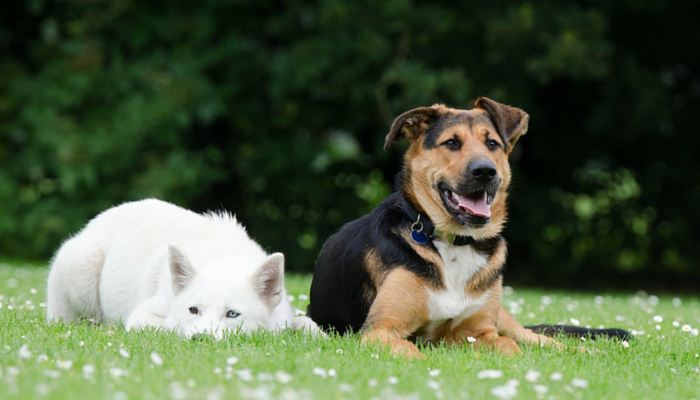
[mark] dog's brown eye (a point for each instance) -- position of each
(492, 144)
(452, 144)
(194, 310)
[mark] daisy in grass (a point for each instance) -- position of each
(156, 359)
(489, 374)
(64, 364)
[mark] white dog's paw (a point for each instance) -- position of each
(307, 325)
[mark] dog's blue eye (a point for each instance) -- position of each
(194, 310)
(232, 314)
(452, 144)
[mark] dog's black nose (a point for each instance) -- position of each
(482, 170)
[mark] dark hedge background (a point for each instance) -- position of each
(277, 111)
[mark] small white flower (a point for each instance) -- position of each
(658, 318)
(32, 291)
(303, 297)
(434, 372)
(574, 321)
(291, 298)
(13, 371)
(375, 356)
(50, 373)
(372, 382)
(124, 353)
(625, 344)
(541, 389)
(217, 371)
(433, 385)
(685, 328)
(42, 305)
(532, 376)
(695, 331)
(339, 351)
(24, 352)
(658, 327)
(156, 359)
(42, 358)
(471, 339)
(232, 360)
(653, 300)
(265, 377)
(245, 375)
(676, 324)
(546, 300)
(556, 376)
(283, 377)
(393, 380)
(676, 302)
(332, 373)
(299, 313)
(344, 387)
(505, 392)
(489, 374)
(88, 370)
(64, 364)
(81, 344)
(118, 372)
(579, 383)
(320, 372)
(9, 307)
(619, 318)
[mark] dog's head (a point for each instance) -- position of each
(229, 294)
(456, 169)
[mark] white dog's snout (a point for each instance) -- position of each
(214, 330)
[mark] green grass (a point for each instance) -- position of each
(58, 358)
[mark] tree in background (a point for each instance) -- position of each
(278, 112)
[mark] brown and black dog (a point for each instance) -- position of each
(427, 263)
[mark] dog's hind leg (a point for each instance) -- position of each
(73, 282)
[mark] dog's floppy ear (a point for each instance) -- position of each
(268, 281)
(510, 122)
(181, 270)
(411, 124)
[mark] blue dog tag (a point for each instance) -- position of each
(419, 237)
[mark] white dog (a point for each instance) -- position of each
(151, 263)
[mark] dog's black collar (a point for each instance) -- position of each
(423, 230)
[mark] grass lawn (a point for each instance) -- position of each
(104, 362)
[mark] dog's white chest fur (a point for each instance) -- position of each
(461, 263)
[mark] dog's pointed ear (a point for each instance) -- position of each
(411, 124)
(510, 122)
(181, 270)
(268, 281)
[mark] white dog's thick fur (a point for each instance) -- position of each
(151, 263)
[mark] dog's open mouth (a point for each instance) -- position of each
(477, 203)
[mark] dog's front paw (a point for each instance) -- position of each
(406, 349)
(307, 325)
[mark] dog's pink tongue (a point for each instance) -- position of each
(476, 207)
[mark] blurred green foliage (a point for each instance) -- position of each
(277, 111)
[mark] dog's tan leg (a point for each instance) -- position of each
(399, 309)
(508, 326)
(480, 329)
